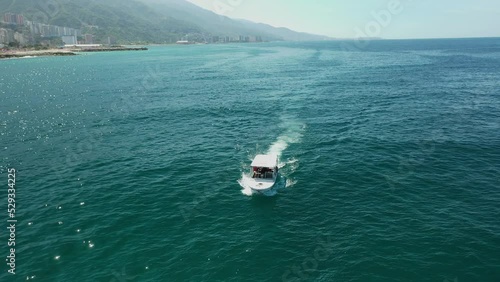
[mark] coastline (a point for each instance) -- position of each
(24, 53)
(108, 49)
(10, 54)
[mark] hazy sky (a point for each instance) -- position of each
(355, 18)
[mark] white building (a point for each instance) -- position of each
(19, 37)
(6, 36)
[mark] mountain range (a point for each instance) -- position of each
(146, 21)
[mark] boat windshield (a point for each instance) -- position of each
(263, 172)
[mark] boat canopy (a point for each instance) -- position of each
(269, 161)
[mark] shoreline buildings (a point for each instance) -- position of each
(15, 29)
(15, 19)
(16, 33)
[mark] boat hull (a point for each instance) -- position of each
(269, 193)
(262, 186)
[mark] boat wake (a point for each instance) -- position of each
(243, 181)
(293, 132)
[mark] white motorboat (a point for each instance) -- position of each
(264, 173)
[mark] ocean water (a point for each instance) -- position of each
(128, 163)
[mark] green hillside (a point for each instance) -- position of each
(126, 21)
(134, 21)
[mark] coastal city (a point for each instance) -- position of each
(17, 31)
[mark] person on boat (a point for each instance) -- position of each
(257, 172)
(254, 172)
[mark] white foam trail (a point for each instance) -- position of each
(292, 135)
(244, 184)
(288, 162)
(247, 192)
(290, 183)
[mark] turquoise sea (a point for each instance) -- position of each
(127, 164)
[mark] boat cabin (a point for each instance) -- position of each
(265, 166)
